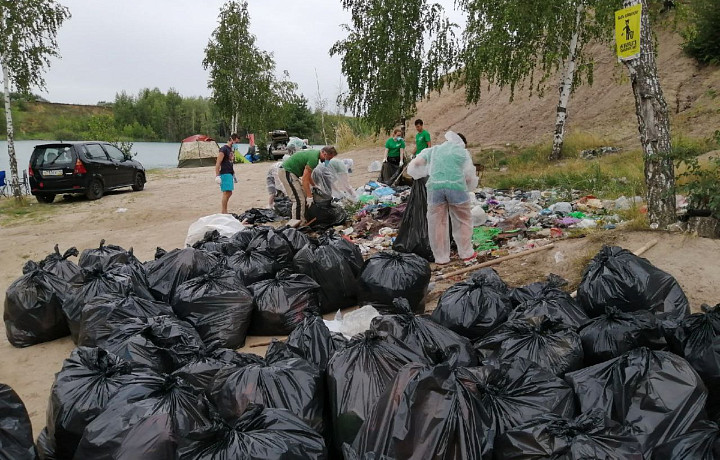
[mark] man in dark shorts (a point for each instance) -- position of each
(224, 172)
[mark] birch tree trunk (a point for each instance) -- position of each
(566, 83)
(654, 127)
(14, 178)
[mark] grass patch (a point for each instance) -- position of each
(348, 139)
(14, 212)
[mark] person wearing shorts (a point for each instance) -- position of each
(224, 172)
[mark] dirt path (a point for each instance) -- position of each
(173, 199)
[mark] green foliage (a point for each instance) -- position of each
(300, 121)
(702, 37)
(700, 181)
(242, 76)
(509, 42)
(102, 128)
(395, 53)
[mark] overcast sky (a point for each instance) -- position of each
(113, 45)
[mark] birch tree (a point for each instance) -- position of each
(28, 30)
(242, 76)
(396, 52)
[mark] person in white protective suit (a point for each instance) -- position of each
(451, 175)
(332, 177)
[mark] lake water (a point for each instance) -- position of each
(151, 154)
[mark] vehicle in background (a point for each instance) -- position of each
(89, 168)
(278, 145)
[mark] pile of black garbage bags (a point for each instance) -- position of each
(622, 371)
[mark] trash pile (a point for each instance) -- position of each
(621, 371)
(510, 220)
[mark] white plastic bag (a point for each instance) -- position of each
(226, 224)
(353, 323)
(479, 216)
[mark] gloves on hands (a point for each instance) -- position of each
(218, 180)
(309, 201)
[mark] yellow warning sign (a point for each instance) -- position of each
(627, 32)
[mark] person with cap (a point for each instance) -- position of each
(451, 176)
(224, 171)
(296, 176)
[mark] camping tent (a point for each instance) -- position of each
(197, 150)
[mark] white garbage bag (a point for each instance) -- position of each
(226, 224)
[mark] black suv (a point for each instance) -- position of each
(90, 168)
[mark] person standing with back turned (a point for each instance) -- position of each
(422, 138)
(224, 171)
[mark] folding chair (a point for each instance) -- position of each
(3, 185)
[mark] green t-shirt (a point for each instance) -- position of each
(296, 163)
(421, 141)
(394, 147)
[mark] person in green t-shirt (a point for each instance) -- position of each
(395, 148)
(296, 176)
(422, 138)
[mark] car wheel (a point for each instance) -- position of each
(95, 190)
(45, 198)
(139, 182)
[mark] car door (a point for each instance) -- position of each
(102, 165)
(124, 169)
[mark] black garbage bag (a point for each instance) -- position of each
(271, 241)
(259, 433)
(323, 212)
(654, 393)
(550, 344)
(283, 207)
(138, 277)
(428, 411)
(253, 265)
(700, 442)
(280, 302)
(533, 290)
(176, 267)
(33, 307)
(474, 307)
(413, 232)
(590, 435)
(619, 278)
(59, 265)
(292, 384)
(422, 334)
(217, 305)
(388, 275)
(89, 378)
(245, 236)
(697, 339)
(146, 420)
(202, 365)
(104, 256)
(259, 216)
(295, 237)
(350, 250)
(150, 264)
(547, 299)
(153, 342)
(330, 269)
(99, 316)
(387, 173)
(615, 333)
(214, 242)
(94, 284)
(312, 340)
(515, 392)
(16, 438)
(358, 374)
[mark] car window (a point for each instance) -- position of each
(53, 156)
(95, 152)
(114, 153)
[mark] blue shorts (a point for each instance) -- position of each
(448, 196)
(226, 183)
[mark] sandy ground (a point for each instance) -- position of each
(173, 199)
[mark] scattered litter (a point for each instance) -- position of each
(121, 210)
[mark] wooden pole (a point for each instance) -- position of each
(494, 262)
(639, 252)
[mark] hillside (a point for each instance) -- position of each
(46, 120)
(605, 110)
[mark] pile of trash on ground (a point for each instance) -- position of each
(622, 370)
(512, 220)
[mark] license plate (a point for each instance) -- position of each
(53, 172)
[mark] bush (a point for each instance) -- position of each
(702, 37)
